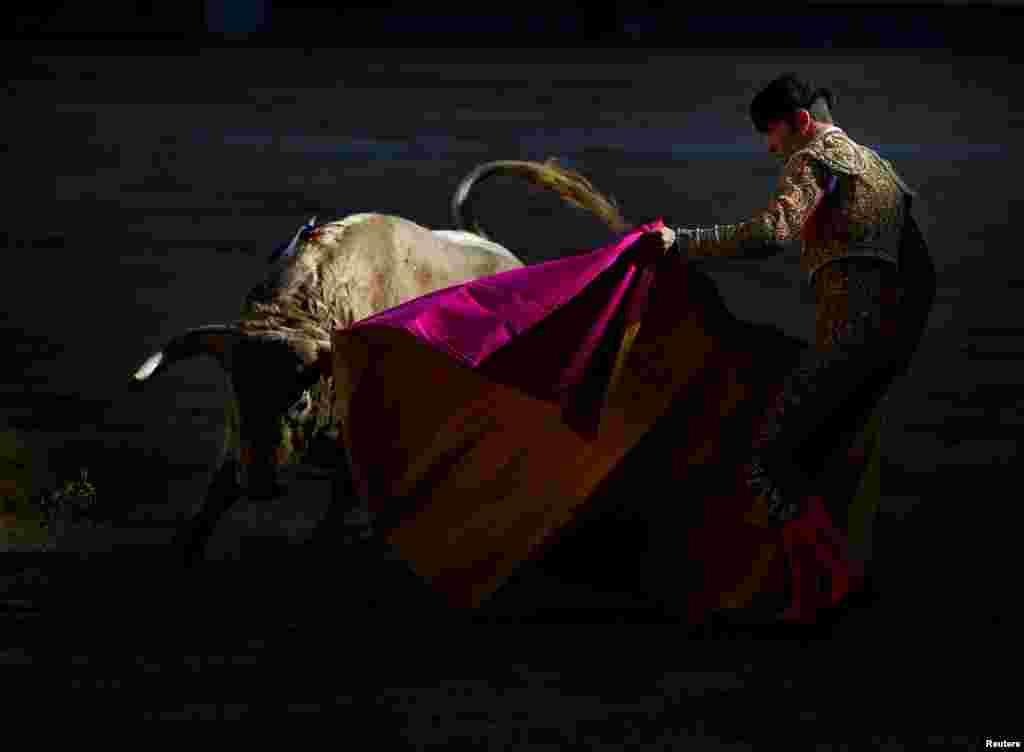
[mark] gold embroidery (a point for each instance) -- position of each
(867, 217)
(837, 152)
(855, 297)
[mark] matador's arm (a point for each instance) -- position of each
(800, 189)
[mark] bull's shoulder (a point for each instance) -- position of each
(383, 240)
(360, 219)
(369, 233)
(370, 223)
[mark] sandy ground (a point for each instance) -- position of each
(150, 191)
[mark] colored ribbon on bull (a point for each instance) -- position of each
(288, 249)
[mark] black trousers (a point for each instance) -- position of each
(830, 394)
(825, 401)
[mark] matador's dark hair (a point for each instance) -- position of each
(787, 94)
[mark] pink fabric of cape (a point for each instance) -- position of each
(471, 415)
(479, 419)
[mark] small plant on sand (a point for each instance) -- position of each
(75, 500)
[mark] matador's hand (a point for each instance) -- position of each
(667, 237)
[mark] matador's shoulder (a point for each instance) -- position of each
(837, 152)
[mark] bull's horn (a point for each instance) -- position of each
(570, 185)
(215, 341)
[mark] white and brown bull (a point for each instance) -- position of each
(276, 356)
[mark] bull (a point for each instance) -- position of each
(277, 355)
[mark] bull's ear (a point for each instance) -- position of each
(216, 341)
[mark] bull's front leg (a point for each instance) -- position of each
(347, 518)
(222, 491)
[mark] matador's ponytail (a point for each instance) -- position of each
(781, 98)
(820, 104)
(822, 93)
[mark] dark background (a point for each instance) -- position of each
(913, 25)
(156, 153)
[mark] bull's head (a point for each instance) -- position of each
(280, 398)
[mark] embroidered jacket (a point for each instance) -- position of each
(840, 198)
